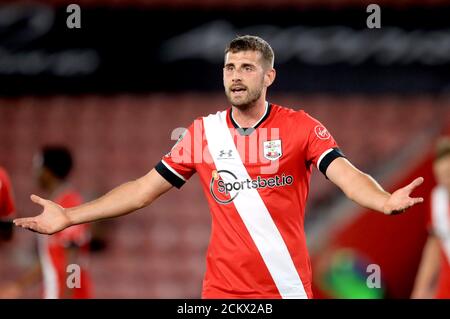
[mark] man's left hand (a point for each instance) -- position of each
(400, 200)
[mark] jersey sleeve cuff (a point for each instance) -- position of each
(170, 174)
(327, 158)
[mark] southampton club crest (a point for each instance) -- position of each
(272, 150)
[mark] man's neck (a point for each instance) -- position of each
(250, 116)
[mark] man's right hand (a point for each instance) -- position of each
(52, 219)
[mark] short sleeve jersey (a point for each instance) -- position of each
(54, 249)
(256, 181)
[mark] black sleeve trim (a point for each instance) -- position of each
(330, 157)
(168, 175)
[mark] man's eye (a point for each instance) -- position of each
(248, 68)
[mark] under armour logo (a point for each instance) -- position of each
(229, 153)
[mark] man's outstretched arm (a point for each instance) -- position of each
(122, 200)
(364, 190)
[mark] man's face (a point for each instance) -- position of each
(245, 77)
(442, 171)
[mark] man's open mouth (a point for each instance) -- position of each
(238, 89)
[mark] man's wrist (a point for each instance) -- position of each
(386, 208)
(69, 215)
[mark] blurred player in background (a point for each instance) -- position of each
(257, 197)
(52, 167)
(433, 278)
(7, 207)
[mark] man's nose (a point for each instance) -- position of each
(236, 76)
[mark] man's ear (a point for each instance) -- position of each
(269, 77)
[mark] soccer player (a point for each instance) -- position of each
(7, 207)
(68, 247)
(254, 161)
(433, 278)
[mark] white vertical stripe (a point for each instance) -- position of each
(253, 212)
(440, 217)
(51, 288)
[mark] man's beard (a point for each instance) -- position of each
(244, 104)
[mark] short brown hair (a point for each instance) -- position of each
(252, 43)
(442, 147)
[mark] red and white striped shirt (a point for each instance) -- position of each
(54, 250)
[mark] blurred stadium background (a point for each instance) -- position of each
(114, 90)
